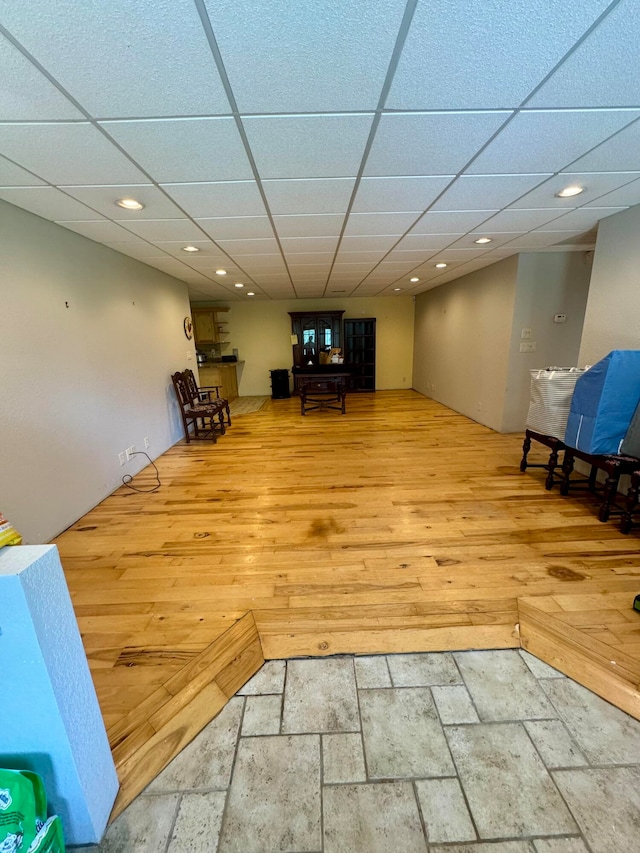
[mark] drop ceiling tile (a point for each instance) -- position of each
(237, 227)
(450, 222)
(595, 184)
(48, 203)
(295, 245)
(263, 246)
(252, 261)
(139, 250)
(427, 241)
(481, 192)
(207, 249)
(139, 59)
(462, 255)
(220, 199)
(279, 58)
(209, 264)
(429, 143)
(315, 225)
(102, 231)
(380, 223)
(26, 94)
(514, 219)
(185, 149)
(497, 239)
(299, 258)
(165, 229)
(14, 176)
(370, 257)
(581, 219)
(168, 265)
(627, 195)
(409, 259)
(73, 153)
(314, 195)
(376, 242)
(561, 136)
(400, 195)
(103, 198)
(455, 58)
(308, 146)
(539, 239)
(611, 49)
(617, 154)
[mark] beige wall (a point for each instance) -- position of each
(462, 338)
(261, 332)
(79, 383)
(612, 318)
(548, 283)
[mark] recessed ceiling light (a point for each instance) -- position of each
(483, 240)
(414, 279)
(190, 249)
(129, 204)
(238, 284)
(221, 272)
(567, 192)
(440, 266)
(251, 293)
(397, 288)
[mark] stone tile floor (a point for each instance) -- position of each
(470, 752)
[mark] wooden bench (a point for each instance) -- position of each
(549, 441)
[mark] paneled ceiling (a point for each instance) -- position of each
(336, 147)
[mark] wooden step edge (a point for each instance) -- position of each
(298, 642)
(149, 747)
(603, 669)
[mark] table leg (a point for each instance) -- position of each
(609, 492)
(567, 468)
(630, 504)
(526, 447)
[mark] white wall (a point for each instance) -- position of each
(548, 283)
(612, 319)
(79, 383)
(261, 332)
(462, 338)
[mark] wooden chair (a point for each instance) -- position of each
(204, 393)
(631, 503)
(614, 465)
(198, 413)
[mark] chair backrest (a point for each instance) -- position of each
(191, 384)
(182, 390)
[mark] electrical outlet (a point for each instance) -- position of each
(560, 318)
(122, 458)
(528, 346)
(188, 355)
(130, 451)
(526, 333)
(146, 442)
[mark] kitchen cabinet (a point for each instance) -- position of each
(316, 332)
(209, 327)
(221, 374)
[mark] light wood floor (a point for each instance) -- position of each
(400, 526)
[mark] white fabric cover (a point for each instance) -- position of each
(551, 393)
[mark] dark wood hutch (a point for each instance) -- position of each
(316, 333)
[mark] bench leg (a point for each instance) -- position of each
(552, 465)
(526, 447)
(567, 468)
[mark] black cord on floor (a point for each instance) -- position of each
(128, 478)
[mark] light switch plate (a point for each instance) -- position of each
(528, 346)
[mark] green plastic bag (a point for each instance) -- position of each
(24, 827)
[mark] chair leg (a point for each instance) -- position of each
(630, 505)
(609, 493)
(228, 415)
(221, 419)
